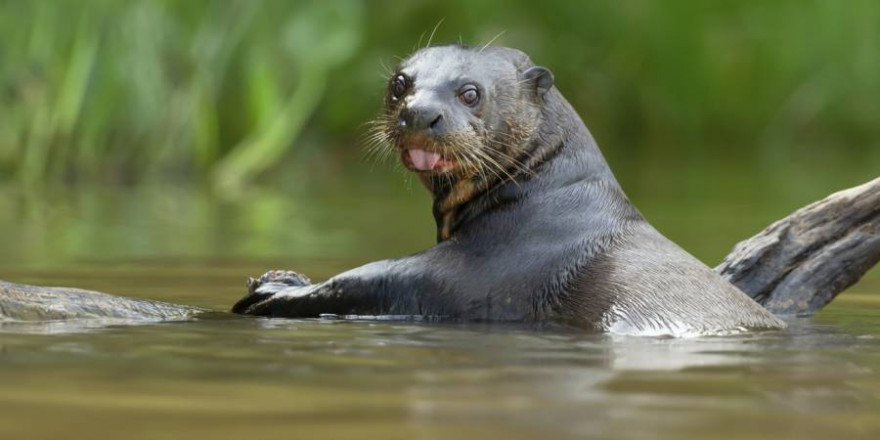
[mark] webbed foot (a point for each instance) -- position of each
(275, 280)
(267, 285)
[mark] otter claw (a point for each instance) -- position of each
(288, 277)
(275, 280)
(267, 285)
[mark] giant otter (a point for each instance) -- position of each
(532, 226)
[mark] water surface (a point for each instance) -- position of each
(231, 377)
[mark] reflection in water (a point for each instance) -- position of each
(670, 354)
(225, 376)
(220, 376)
(67, 326)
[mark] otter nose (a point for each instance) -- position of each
(422, 118)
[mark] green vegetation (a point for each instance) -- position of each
(221, 91)
(144, 88)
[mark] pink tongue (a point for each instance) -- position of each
(423, 160)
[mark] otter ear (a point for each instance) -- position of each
(541, 78)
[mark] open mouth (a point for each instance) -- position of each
(423, 161)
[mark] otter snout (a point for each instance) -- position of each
(422, 118)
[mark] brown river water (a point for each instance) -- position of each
(223, 376)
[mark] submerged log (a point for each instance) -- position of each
(19, 302)
(795, 266)
(800, 263)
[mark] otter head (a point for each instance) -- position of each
(455, 113)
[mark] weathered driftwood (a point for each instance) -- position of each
(19, 302)
(800, 263)
(795, 266)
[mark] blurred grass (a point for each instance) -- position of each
(717, 116)
(222, 91)
(126, 90)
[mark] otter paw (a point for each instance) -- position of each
(275, 280)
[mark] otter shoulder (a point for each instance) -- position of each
(646, 285)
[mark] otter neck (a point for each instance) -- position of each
(561, 132)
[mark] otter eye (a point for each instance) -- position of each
(469, 96)
(398, 87)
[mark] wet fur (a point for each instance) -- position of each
(541, 233)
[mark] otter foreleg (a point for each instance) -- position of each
(386, 288)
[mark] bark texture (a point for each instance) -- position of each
(20, 302)
(799, 264)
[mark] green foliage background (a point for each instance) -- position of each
(133, 90)
(210, 129)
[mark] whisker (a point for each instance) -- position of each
(419, 44)
(376, 139)
(431, 38)
(387, 70)
(491, 161)
(492, 41)
(483, 169)
(515, 164)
